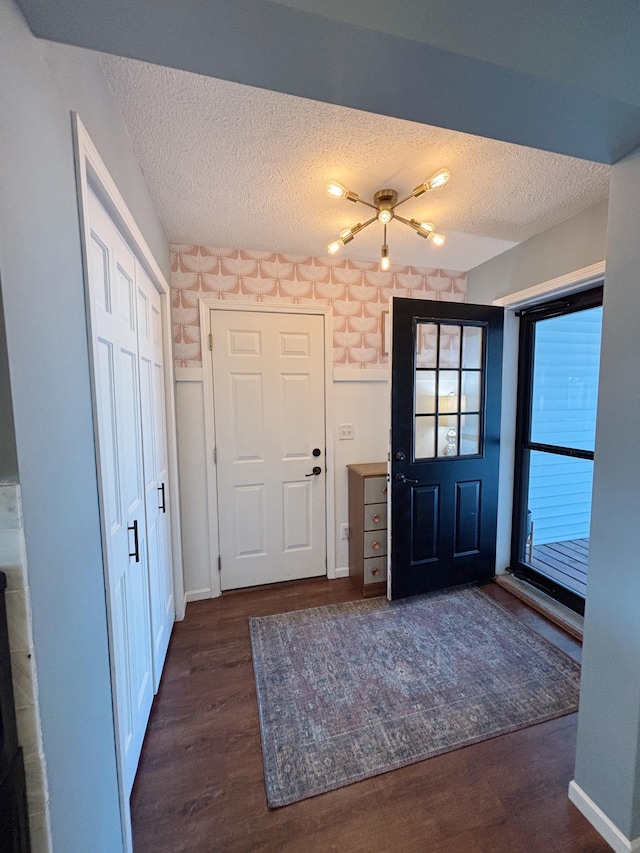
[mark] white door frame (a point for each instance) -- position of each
(91, 172)
(206, 305)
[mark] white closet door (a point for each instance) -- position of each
(115, 341)
(151, 361)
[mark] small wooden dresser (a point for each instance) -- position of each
(368, 527)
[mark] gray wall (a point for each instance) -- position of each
(42, 283)
(608, 759)
(575, 243)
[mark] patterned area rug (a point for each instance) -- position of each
(351, 690)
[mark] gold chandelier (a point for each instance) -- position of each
(385, 203)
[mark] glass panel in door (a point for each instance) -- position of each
(448, 390)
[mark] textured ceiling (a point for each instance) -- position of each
(231, 165)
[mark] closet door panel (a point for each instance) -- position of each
(155, 466)
(112, 271)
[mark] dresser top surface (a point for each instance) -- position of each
(369, 469)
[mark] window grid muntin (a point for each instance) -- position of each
(430, 426)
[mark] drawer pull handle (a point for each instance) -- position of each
(384, 491)
(375, 518)
(375, 572)
(375, 545)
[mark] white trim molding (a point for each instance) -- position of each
(197, 595)
(600, 822)
(355, 374)
(570, 283)
(188, 374)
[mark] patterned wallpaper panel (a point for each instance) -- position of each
(356, 292)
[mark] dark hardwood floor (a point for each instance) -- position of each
(200, 787)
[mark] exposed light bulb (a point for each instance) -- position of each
(346, 236)
(385, 263)
(385, 216)
(427, 226)
(437, 239)
(338, 190)
(440, 178)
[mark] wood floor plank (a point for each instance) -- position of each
(565, 562)
(200, 785)
(561, 562)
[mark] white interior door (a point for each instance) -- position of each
(113, 303)
(151, 367)
(268, 375)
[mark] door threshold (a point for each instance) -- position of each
(562, 616)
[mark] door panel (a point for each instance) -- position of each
(158, 538)
(297, 505)
(445, 426)
(468, 508)
(111, 280)
(268, 371)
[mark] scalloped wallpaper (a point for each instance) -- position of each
(356, 292)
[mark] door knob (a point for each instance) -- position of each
(316, 470)
(402, 478)
(399, 456)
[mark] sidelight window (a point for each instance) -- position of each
(557, 398)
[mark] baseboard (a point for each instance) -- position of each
(197, 594)
(342, 572)
(600, 822)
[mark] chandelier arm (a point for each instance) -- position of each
(402, 200)
(361, 225)
(404, 221)
(369, 221)
(367, 203)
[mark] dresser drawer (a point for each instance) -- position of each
(368, 527)
(375, 516)
(375, 569)
(375, 490)
(375, 543)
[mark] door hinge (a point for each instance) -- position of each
(219, 563)
(210, 341)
